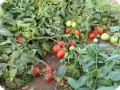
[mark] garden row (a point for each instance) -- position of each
(75, 27)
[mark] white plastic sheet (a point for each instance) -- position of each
(118, 1)
(1, 88)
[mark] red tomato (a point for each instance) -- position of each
(100, 31)
(61, 43)
(72, 43)
(91, 36)
(60, 53)
(55, 48)
(77, 32)
(19, 39)
(36, 71)
(67, 31)
(48, 78)
(94, 31)
(48, 69)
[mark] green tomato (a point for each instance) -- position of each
(73, 24)
(68, 23)
(26, 35)
(72, 48)
(114, 39)
(66, 55)
(105, 36)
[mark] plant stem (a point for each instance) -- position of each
(43, 62)
(44, 37)
(96, 59)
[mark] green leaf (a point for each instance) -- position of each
(114, 28)
(5, 56)
(7, 50)
(114, 57)
(46, 46)
(75, 73)
(62, 71)
(30, 70)
(73, 83)
(39, 51)
(114, 76)
(89, 4)
(1, 12)
(32, 53)
(3, 65)
(12, 74)
(107, 88)
(5, 32)
(82, 80)
(16, 54)
(84, 89)
(6, 42)
(9, 20)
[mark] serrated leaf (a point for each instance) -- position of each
(46, 46)
(62, 71)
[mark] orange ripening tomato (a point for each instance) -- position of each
(77, 32)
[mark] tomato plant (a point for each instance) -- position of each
(27, 27)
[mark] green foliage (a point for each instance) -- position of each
(62, 71)
(38, 21)
(97, 67)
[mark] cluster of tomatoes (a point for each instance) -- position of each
(60, 48)
(94, 33)
(71, 23)
(48, 73)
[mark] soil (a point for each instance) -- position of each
(38, 83)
